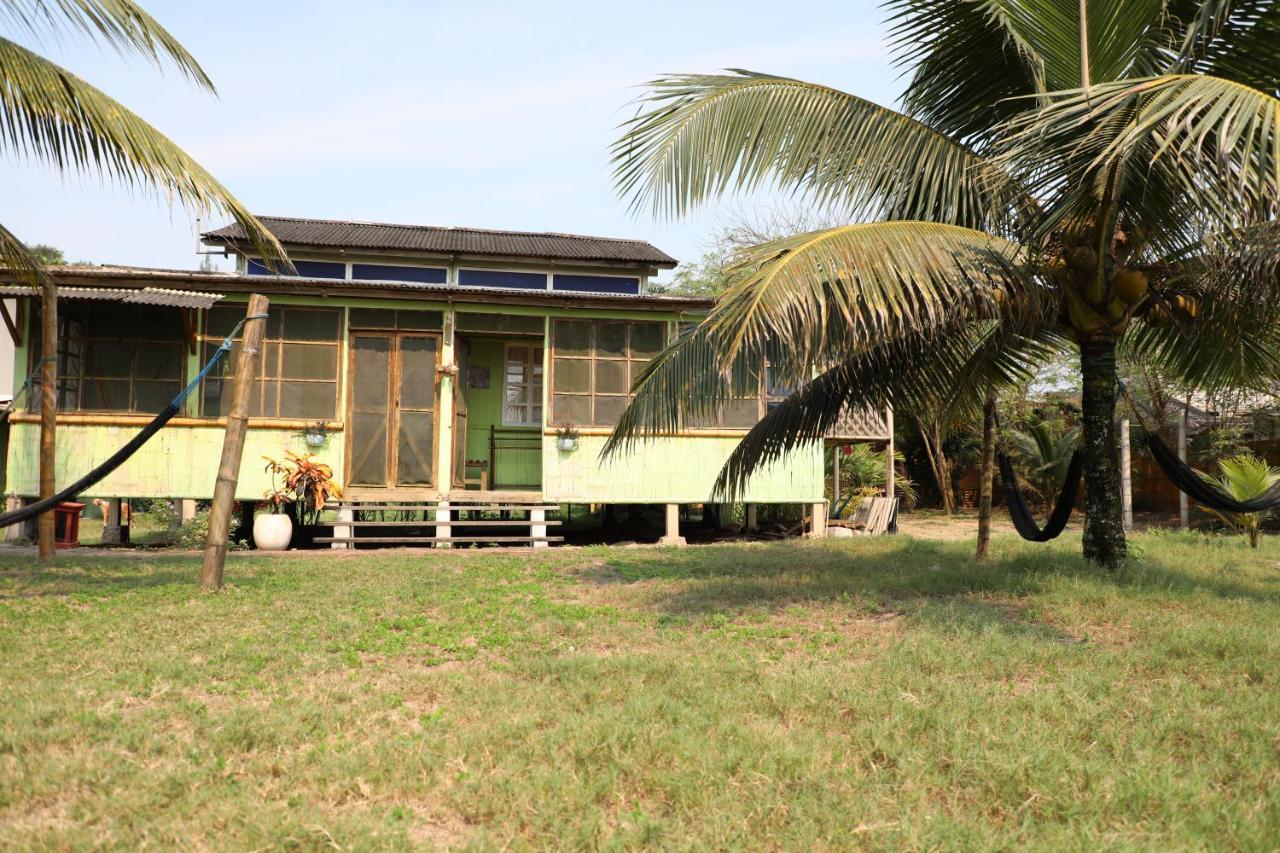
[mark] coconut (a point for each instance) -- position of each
(1083, 258)
(1186, 306)
(1158, 316)
(1129, 285)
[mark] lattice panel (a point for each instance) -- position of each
(860, 424)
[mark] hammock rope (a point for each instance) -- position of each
(1020, 513)
(131, 447)
(1190, 481)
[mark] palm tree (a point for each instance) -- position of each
(1244, 477)
(50, 115)
(1047, 454)
(1082, 174)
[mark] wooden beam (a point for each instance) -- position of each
(48, 414)
(15, 331)
(224, 490)
(986, 477)
(189, 329)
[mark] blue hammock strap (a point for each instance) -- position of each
(223, 349)
(130, 447)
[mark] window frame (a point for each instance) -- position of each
(632, 365)
(68, 384)
(273, 385)
(534, 382)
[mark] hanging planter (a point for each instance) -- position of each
(566, 439)
(316, 434)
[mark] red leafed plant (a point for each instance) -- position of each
(301, 480)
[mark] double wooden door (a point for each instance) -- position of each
(393, 430)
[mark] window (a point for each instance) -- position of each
(297, 369)
(522, 386)
(595, 283)
(595, 365)
(114, 357)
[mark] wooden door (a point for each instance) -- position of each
(392, 409)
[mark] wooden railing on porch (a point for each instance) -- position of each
(507, 444)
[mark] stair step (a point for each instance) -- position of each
(409, 540)
(487, 522)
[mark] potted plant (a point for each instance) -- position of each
(310, 486)
(567, 438)
(272, 531)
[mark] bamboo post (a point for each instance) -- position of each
(835, 476)
(48, 413)
(1184, 505)
(224, 490)
(985, 480)
(1126, 475)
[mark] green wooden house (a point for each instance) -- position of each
(429, 366)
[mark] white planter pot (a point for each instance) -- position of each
(272, 531)
(567, 445)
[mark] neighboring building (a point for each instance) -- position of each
(439, 360)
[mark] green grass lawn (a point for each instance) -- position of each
(881, 693)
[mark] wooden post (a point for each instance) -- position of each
(224, 490)
(48, 412)
(1184, 505)
(888, 454)
(1126, 476)
(835, 476)
(987, 476)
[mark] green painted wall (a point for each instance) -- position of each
(484, 409)
(178, 462)
(671, 470)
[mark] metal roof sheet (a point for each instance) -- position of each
(448, 240)
(133, 296)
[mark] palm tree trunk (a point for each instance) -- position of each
(1104, 541)
(985, 478)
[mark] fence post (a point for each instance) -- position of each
(1126, 475)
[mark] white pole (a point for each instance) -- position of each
(888, 454)
(1126, 475)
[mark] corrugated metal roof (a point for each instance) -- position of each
(175, 281)
(448, 241)
(133, 296)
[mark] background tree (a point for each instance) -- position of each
(47, 254)
(1087, 174)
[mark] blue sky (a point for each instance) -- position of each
(485, 114)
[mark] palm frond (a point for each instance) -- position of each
(926, 372)
(814, 300)
(18, 259)
(49, 114)
(849, 285)
(1220, 139)
(704, 135)
(123, 24)
(1232, 39)
(937, 40)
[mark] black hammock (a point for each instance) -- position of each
(1023, 521)
(118, 458)
(1200, 490)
